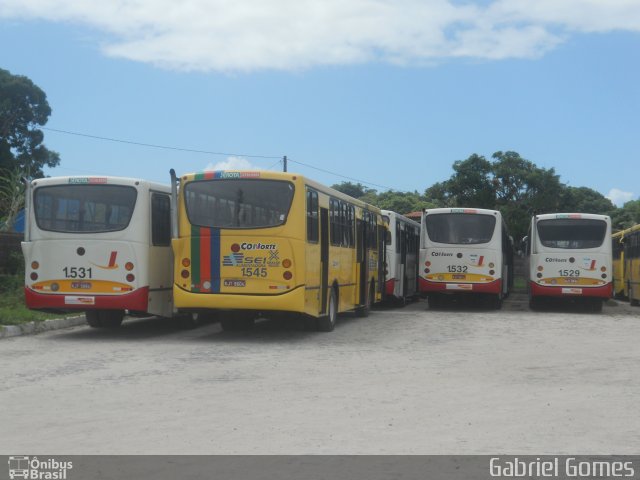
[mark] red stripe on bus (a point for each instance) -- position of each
(112, 259)
(205, 256)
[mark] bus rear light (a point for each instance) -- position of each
(35, 265)
(604, 275)
(286, 263)
(426, 270)
(491, 265)
(186, 263)
(539, 275)
(540, 268)
(603, 269)
(130, 277)
(287, 275)
(184, 274)
(427, 263)
(492, 272)
(128, 266)
(235, 248)
(34, 276)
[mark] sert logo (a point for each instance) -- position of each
(35, 469)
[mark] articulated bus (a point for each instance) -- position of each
(251, 242)
(101, 245)
(570, 257)
(465, 251)
(402, 248)
(632, 263)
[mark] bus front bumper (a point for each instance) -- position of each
(291, 301)
(604, 291)
(136, 300)
(427, 286)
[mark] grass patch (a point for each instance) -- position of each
(519, 283)
(12, 307)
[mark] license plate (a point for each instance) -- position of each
(458, 277)
(81, 285)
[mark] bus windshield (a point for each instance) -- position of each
(84, 208)
(572, 233)
(460, 229)
(238, 203)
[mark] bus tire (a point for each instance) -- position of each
(534, 303)
(112, 318)
(94, 320)
(496, 302)
(596, 305)
(328, 322)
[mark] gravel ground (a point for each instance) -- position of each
(402, 381)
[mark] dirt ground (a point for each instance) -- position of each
(459, 380)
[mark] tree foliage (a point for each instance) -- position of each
(11, 197)
(23, 108)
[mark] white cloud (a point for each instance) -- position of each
(245, 35)
(618, 197)
(232, 163)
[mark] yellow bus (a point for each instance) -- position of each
(632, 263)
(619, 278)
(248, 242)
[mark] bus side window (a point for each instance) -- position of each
(160, 220)
(312, 216)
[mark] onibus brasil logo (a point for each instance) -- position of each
(32, 468)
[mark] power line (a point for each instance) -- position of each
(164, 147)
(208, 152)
(342, 176)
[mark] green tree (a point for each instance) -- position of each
(626, 216)
(355, 190)
(586, 200)
(470, 185)
(11, 197)
(23, 108)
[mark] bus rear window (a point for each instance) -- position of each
(84, 208)
(238, 203)
(460, 228)
(572, 233)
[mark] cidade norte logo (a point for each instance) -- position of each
(37, 469)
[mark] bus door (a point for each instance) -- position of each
(363, 256)
(324, 258)
(382, 256)
(402, 238)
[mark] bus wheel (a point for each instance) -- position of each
(93, 318)
(366, 308)
(596, 305)
(112, 318)
(328, 322)
(534, 303)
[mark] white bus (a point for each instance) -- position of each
(570, 256)
(101, 245)
(401, 256)
(465, 251)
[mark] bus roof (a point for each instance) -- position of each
(391, 213)
(98, 180)
(472, 211)
(587, 216)
(271, 175)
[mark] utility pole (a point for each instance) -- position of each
(284, 163)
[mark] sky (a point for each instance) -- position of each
(388, 93)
